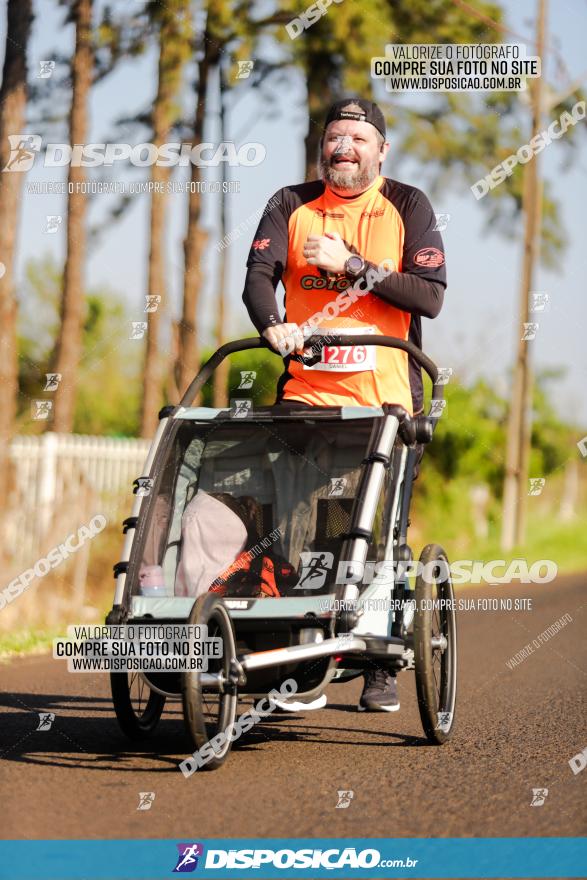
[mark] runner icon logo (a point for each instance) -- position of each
(344, 799)
(539, 795)
(23, 151)
(187, 860)
(152, 301)
(146, 799)
(138, 329)
(41, 409)
(52, 381)
(337, 486)
(444, 721)
(46, 719)
(315, 567)
(247, 379)
(240, 409)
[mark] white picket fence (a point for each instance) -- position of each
(61, 478)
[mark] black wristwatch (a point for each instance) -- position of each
(354, 266)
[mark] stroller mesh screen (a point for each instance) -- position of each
(334, 518)
(242, 491)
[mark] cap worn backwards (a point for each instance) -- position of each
(370, 113)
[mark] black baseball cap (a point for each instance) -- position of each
(370, 113)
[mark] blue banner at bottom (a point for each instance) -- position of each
(504, 857)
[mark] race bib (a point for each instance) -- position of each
(345, 358)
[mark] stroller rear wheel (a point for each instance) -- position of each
(208, 712)
(435, 645)
(138, 708)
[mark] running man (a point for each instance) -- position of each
(352, 227)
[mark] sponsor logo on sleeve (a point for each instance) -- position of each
(429, 256)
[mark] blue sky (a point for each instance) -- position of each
(477, 329)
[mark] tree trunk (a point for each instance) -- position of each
(153, 374)
(320, 97)
(222, 372)
(194, 242)
(13, 97)
(69, 343)
(174, 30)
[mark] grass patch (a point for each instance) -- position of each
(442, 514)
(27, 642)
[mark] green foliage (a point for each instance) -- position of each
(108, 379)
(110, 361)
(468, 449)
(469, 442)
(268, 368)
(470, 437)
(551, 438)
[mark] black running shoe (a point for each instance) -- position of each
(379, 692)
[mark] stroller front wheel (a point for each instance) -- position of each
(435, 645)
(138, 708)
(208, 713)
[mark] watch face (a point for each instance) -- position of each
(354, 264)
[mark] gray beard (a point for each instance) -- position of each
(357, 182)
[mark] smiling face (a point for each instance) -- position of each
(352, 153)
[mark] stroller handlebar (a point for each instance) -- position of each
(315, 343)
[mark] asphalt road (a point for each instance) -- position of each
(516, 730)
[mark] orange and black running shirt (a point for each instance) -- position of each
(392, 226)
